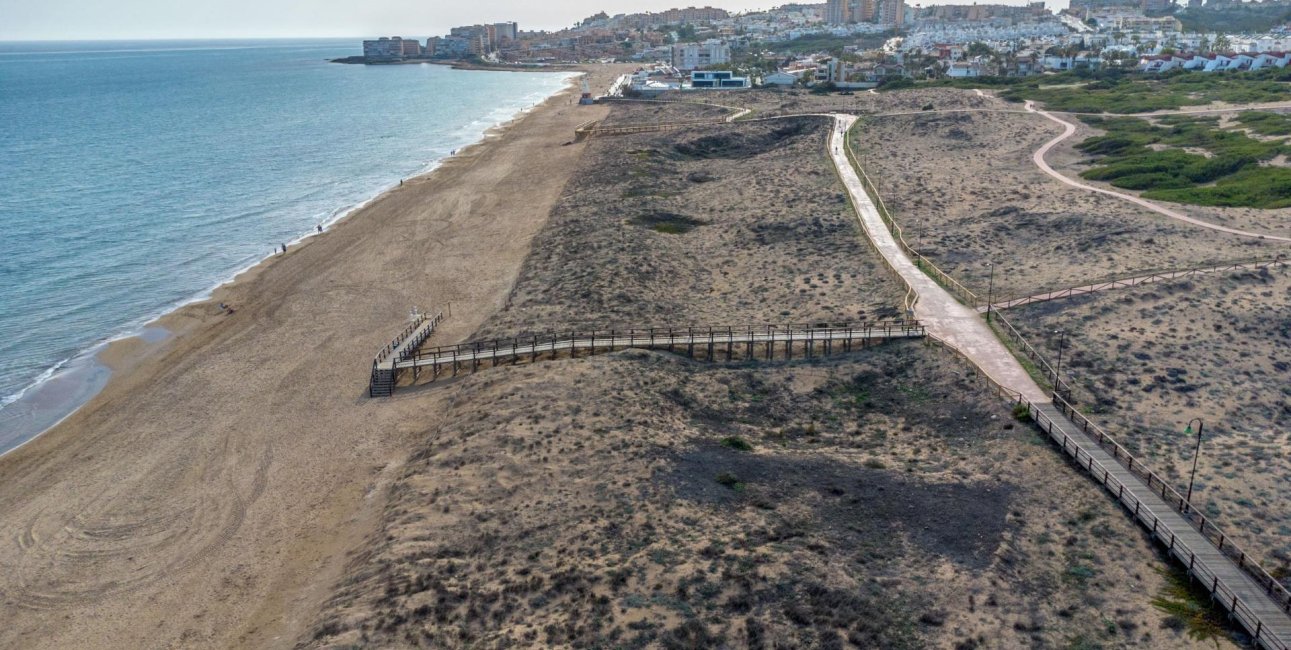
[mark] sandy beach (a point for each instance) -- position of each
(210, 494)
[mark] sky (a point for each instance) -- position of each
(178, 19)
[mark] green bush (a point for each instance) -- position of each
(1126, 160)
(737, 443)
(731, 481)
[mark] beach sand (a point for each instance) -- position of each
(209, 495)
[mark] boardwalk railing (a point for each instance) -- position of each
(400, 338)
(1023, 346)
(926, 265)
(712, 343)
(1220, 590)
(385, 373)
(627, 129)
(1150, 278)
(1205, 526)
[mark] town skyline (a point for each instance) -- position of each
(61, 20)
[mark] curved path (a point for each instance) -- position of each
(961, 328)
(1069, 130)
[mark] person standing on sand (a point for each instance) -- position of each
(320, 228)
(284, 249)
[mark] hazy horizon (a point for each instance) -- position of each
(132, 20)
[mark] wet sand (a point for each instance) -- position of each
(208, 496)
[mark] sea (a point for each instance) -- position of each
(137, 176)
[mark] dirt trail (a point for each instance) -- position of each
(1069, 130)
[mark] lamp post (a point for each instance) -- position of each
(990, 292)
(1057, 371)
(1196, 452)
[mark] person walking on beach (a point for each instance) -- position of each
(284, 249)
(320, 228)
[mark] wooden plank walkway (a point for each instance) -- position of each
(1257, 602)
(384, 373)
(712, 343)
(1253, 598)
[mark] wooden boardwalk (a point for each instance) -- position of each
(711, 343)
(1260, 604)
(1254, 599)
(384, 373)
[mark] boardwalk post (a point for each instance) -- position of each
(788, 345)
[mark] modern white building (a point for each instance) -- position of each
(692, 56)
(718, 79)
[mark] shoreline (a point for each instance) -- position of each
(213, 491)
(461, 64)
(55, 395)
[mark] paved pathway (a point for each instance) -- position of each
(962, 328)
(1069, 130)
(945, 318)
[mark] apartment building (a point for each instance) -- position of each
(883, 12)
(394, 48)
(691, 56)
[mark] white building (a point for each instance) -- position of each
(964, 69)
(718, 80)
(690, 56)
(783, 78)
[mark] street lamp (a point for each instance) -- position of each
(990, 292)
(1057, 371)
(1196, 452)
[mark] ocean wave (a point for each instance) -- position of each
(275, 218)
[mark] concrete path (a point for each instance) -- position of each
(963, 329)
(1069, 130)
(945, 318)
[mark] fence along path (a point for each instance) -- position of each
(1259, 603)
(384, 372)
(712, 342)
(1152, 278)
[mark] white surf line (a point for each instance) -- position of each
(945, 318)
(1069, 130)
